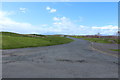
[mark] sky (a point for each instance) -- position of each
(69, 18)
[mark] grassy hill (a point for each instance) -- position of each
(14, 40)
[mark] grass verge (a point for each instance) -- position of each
(99, 40)
(14, 40)
(103, 40)
(115, 49)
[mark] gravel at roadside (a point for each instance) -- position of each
(105, 47)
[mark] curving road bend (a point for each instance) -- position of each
(72, 60)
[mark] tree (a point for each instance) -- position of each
(118, 33)
(98, 34)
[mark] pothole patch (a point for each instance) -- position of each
(116, 63)
(71, 61)
(5, 62)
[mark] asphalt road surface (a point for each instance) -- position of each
(72, 60)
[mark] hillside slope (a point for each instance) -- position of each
(13, 40)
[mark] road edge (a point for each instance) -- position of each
(91, 45)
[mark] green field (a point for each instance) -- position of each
(14, 40)
(99, 40)
(103, 40)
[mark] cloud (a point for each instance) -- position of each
(56, 19)
(7, 24)
(68, 26)
(60, 18)
(57, 23)
(48, 8)
(6, 13)
(106, 27)
(51, 10)
(23, 10)
(60, 25)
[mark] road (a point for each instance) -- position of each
(72, 60)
